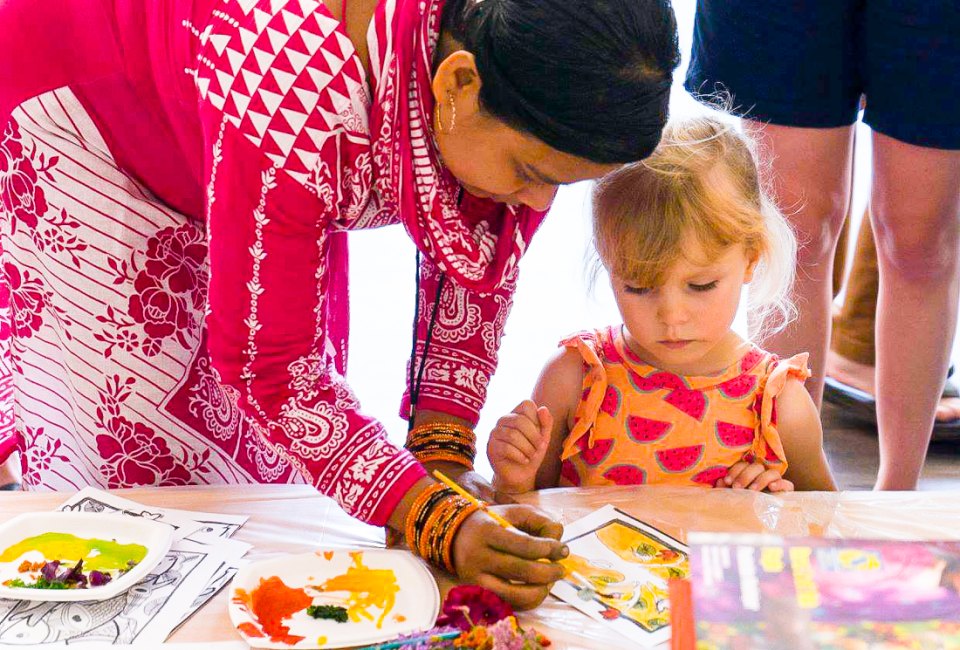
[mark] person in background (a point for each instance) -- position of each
(810, 62)
(851, 360)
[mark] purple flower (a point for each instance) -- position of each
(49, 571)
(98, 579)
(75, 575)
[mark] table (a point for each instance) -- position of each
(295, 519)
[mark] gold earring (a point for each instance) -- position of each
(453, 113)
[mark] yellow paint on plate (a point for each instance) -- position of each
(97, 554)
(365, 588)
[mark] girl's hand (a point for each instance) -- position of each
(505, 560)
(517, 447)
(754, 476)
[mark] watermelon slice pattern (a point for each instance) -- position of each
(625, 475)
(655, 381)
(750, 360)
(679, 459)
(645, 430)
(597, 453)
(570, 473)
(611, 401)
(734, 435)
(738, 387)
(688, 401)
(769, 456)
(711, 475)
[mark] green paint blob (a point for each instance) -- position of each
(97, 554)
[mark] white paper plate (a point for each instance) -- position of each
(122, 528)
(415, 608)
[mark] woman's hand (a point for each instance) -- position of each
(517, 447)
(505, 560)
(471, 481)
(754, 476)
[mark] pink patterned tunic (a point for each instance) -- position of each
(176, 190)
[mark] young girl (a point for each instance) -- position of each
(673, 395)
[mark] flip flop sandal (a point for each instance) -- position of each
(855, 405)
(861, 408)
(948, 431)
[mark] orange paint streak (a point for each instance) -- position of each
(272, 602)
(328, 555)
(249, 629)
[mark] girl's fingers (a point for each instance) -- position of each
(529, 428)
(516, 438)
(748, 475)
(527, 409)
(772, 481)
(780, 485)
(508, 451)
(546, 422)
(734, 472)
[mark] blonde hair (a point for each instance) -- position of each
(702, 181)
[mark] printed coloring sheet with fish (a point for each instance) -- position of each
(200, 562)
(617, 572)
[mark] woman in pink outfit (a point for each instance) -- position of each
(177, 185)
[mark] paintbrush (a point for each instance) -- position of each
(472, 499)
(480, 504)
(391, 645)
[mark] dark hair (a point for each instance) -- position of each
(587, 77)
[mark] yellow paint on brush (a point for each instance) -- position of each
(97, 554)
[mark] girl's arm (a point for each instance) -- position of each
(801, 433)
(558, 389)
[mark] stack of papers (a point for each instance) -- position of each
(201, 560)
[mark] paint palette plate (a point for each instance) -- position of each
(155, 537)
(325, 577)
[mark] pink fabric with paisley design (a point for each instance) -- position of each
(176, 190)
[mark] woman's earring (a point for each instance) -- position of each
(453, 116)
(453, 113)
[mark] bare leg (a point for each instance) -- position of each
(851, 358)
(810, 177)
(916, 211)
(852, 355)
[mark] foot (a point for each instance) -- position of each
(948, 409)
(859, 375)
(863, 377)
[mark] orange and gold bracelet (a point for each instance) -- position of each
(416, 510)
(458, 519)
(432, 522)
(443, 441)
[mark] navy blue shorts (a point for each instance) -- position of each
(807, 62)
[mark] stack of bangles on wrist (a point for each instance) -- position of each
(443, 441)
(433, 521)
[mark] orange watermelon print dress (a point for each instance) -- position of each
(636, 424)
